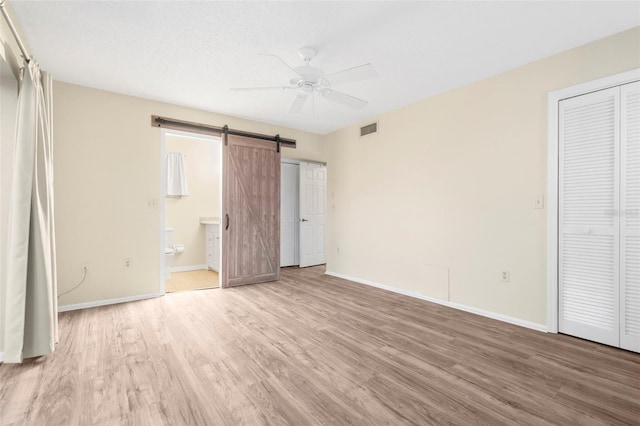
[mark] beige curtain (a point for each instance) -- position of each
(31, 318)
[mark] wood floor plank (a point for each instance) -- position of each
(313, 349)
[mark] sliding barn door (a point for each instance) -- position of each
(630, 217)
(589, 235)
(251, 201)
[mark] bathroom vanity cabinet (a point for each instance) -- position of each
(212, 248)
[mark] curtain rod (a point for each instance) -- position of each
(170, 123)
(25, 53)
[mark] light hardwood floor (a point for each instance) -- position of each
(314, 349)
(192, 280)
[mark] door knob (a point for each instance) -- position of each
(304, 220)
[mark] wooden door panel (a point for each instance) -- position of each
(251, 199)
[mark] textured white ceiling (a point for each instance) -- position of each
(192, 53)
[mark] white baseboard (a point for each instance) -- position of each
(1, 356)
(76, 306)
(187, 268)
(459, 306)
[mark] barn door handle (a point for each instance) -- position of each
(227, 226)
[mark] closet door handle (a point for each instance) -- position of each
(227, 226)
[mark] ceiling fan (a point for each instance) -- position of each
(310, 80)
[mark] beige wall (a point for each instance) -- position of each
(438, 203)
(107, 171)
(441, 200)
(203, 167)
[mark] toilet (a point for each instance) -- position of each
(169, 251)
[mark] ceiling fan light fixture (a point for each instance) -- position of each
(307, 53)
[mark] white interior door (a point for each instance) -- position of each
(589, 232)
(289, 214)
(630, 217)
(313, 200)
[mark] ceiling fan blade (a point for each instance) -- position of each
(281, 60)
(343, 98)
(359, 73)
(242, 89)
(297, 104)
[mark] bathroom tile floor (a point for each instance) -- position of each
(192, 280)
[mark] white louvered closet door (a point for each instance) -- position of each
(589, 232)
(630, 217)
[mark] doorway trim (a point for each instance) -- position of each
(163, 190)
(553, 100)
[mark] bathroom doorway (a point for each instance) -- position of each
(191, 207)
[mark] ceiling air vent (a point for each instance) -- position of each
(369, 129)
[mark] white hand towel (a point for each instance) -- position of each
(176, 175)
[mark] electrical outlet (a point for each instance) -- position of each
(127, 262)
(338, 250)
(152, 203)
(84, 268)
(506, 276)
(539, 202)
